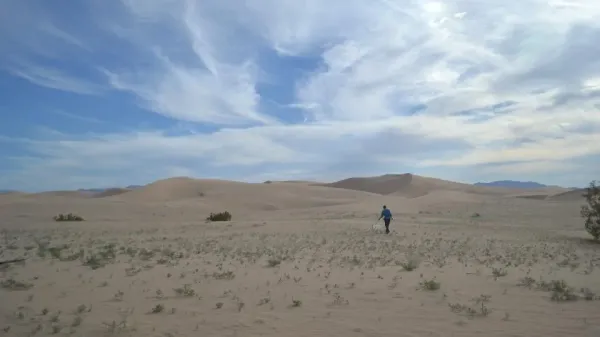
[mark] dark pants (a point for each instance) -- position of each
(387, 225)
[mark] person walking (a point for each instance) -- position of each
(386, 214)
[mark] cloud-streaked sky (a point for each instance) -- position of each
(116, 92)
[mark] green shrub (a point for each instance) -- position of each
(68, 217)
(222, 216)
(591, 211)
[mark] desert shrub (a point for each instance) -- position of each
(67, 217)
(222, 216)
(591, 211)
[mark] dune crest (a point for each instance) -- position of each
(414, 186)
(241, 195)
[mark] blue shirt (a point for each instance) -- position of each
(386, 213)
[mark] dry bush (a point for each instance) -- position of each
(222, 216)
(591, 211)
(68, 217)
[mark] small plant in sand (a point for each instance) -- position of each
(479, 310)
(77, 320)
(227, 275)
(264, 301)
(296, 303)
(499, 272)
(221, 216)
(115, 328)
(157, 309)
(55, 318)
(430, 285)
(561, 291)
(338, 300)
(67, 217)
(591, 211)
(588, 294)
(410, 264)
(12, 284)
(185, 291)
(527, 282)
(119, 296)
(82, 308)
(273, 262)
(55, 329)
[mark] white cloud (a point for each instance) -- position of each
(55, 79)
(400, 84)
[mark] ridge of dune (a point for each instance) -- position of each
(212, 193)
(386, 184)
(173, 189)
(411, 186)
(414, 186)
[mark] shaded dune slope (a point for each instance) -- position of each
(412, 186)
(574, 195)
(111, 192)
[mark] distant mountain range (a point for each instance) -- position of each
(513, 184)
(86, 190)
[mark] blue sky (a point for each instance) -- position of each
(115, 92)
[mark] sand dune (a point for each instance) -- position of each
(575, 195)
(412, 186)
(298, 260)
(109, 192)
(241, 195)
(61, 194)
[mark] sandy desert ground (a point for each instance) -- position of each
(299, 259)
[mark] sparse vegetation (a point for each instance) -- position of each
(12, 284)
(527, 282)
(115, 327)
(222, 216)
(559, 289)
(561, 292)
(410, 264)
(68, 217)
(254, 271)
(228, 275)
(185, 291)
(591, 211)
(273, 262)
(157, 309)
(499, 272)
(479, 310)
(430, 285)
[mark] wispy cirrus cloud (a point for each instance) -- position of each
(55, 79)
(354, 87)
